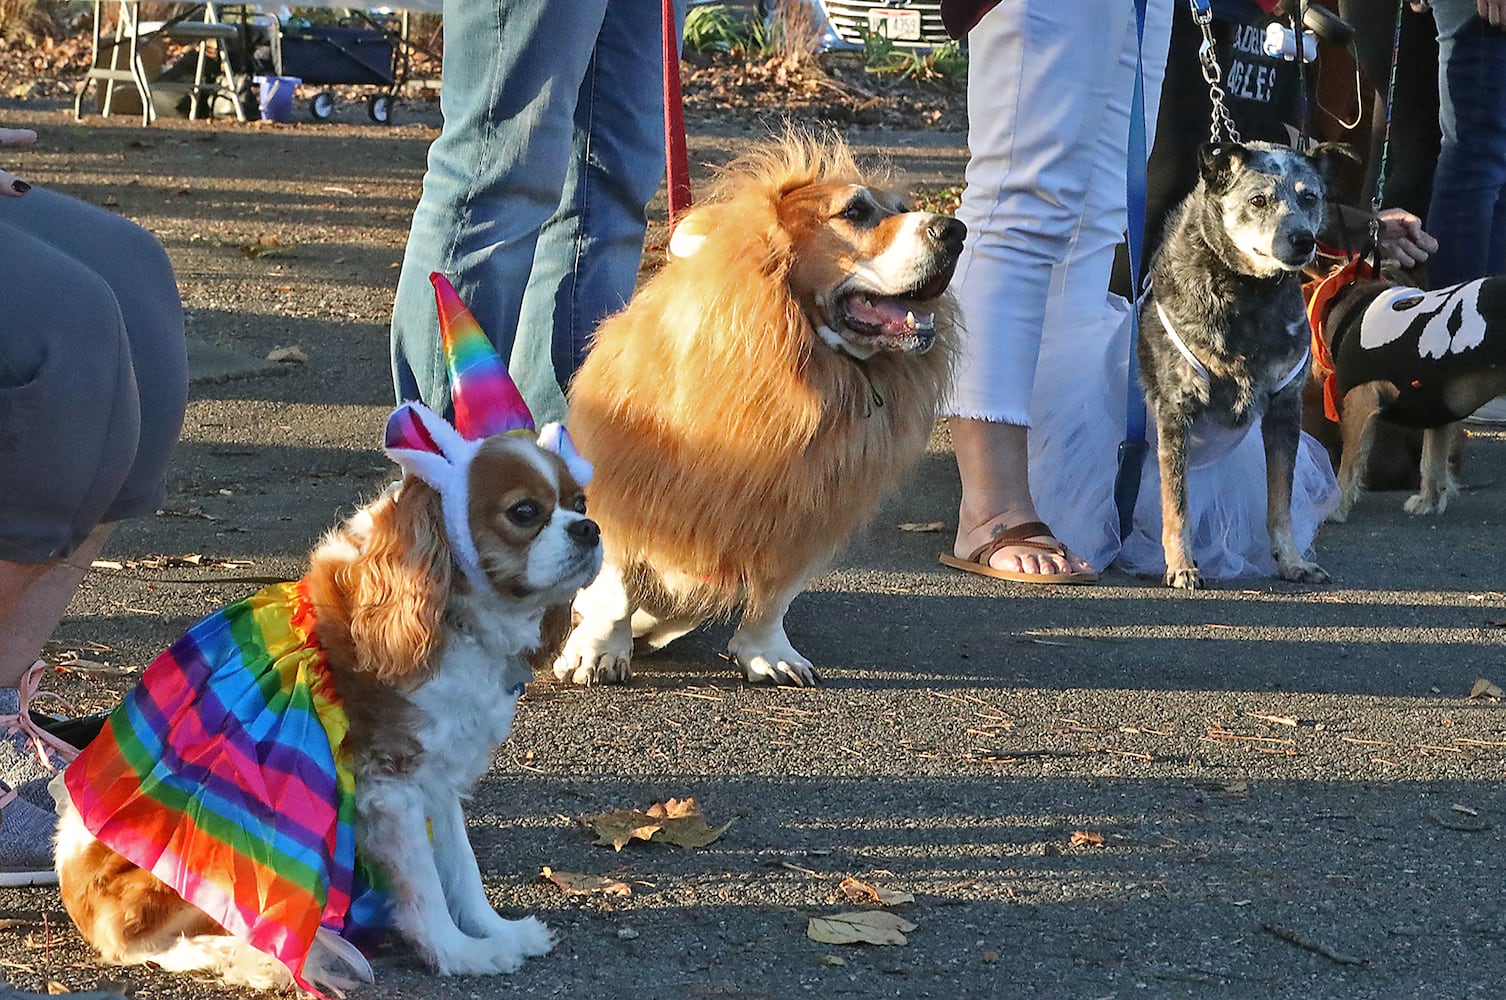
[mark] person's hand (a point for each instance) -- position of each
(12, 186)
(1402, 237)
(1493, 11)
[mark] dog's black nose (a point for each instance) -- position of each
(585, 531)
(948, 232)
(1303, 243)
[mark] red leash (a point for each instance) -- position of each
(676, 157)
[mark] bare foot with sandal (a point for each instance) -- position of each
(999, 534)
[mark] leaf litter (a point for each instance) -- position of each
(862, 927)
(678, 821)
(576, 884)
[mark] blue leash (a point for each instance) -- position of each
(1133, 448)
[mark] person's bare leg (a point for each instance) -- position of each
(992, 459)
(33, 598)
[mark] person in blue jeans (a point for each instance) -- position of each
(534, 200)
(1467, 213)
(1468, 209)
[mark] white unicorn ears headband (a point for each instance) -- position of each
(486, 402)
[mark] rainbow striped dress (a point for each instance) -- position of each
(223, 773)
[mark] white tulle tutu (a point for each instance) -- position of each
(1077, 414)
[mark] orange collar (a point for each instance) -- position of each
(1320, 296)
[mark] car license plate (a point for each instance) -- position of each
(899, 25)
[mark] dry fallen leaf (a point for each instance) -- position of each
(293, 355)
(615, 829)
(55, 988)
(1086, 838)
(923, 526)
(576, 884)
(833, 960)
(682, 824)
(678, 821)
(265, 246)
(871, 895)
(866, 927)
(1485, 689)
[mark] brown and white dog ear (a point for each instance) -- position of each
(401, 587)
(690, 232)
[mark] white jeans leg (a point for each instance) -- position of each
(1038, 98)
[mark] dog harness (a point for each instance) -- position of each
(1420, 341)
(224, 774)
(1298, 328)
(1209, 440)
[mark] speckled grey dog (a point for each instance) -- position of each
(1224, 335)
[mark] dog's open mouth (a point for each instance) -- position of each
(894, 322)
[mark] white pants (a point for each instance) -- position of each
(1049, 92)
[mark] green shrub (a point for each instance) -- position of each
(946, 63)
(717, 29)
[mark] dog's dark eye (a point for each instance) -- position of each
(523, 513)
(1258, 201)
(856, 211)
(579, 506)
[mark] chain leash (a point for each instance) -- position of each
(1222, 123)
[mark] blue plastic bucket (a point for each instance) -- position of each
(275, 96)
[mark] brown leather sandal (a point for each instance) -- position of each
(1020, 536)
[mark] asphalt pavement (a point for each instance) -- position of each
(1259, 790)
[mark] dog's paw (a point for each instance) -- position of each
(588, 660)
(1428, 503)
(780, 665)
(531, 936)
(1340, 514)
(1184, 579)
(490, 956)
(1302, 571)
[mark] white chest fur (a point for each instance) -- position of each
(467, 705)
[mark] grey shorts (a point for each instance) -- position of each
(93, 375)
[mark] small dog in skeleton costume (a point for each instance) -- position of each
(1423, 359)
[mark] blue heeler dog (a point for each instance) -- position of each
(1224, 335)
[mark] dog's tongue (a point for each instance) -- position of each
(890, 316)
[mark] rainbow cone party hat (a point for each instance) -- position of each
(485, 398)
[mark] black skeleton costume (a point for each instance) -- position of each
(1419, 341)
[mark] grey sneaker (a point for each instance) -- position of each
(29, 755)
(26, 834)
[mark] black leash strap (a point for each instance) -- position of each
(1304, 125)
(1373, 250)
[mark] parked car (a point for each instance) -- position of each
(909, 24)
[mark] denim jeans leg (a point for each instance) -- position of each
(587, 257)
(1468, 209)
(513, 71)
